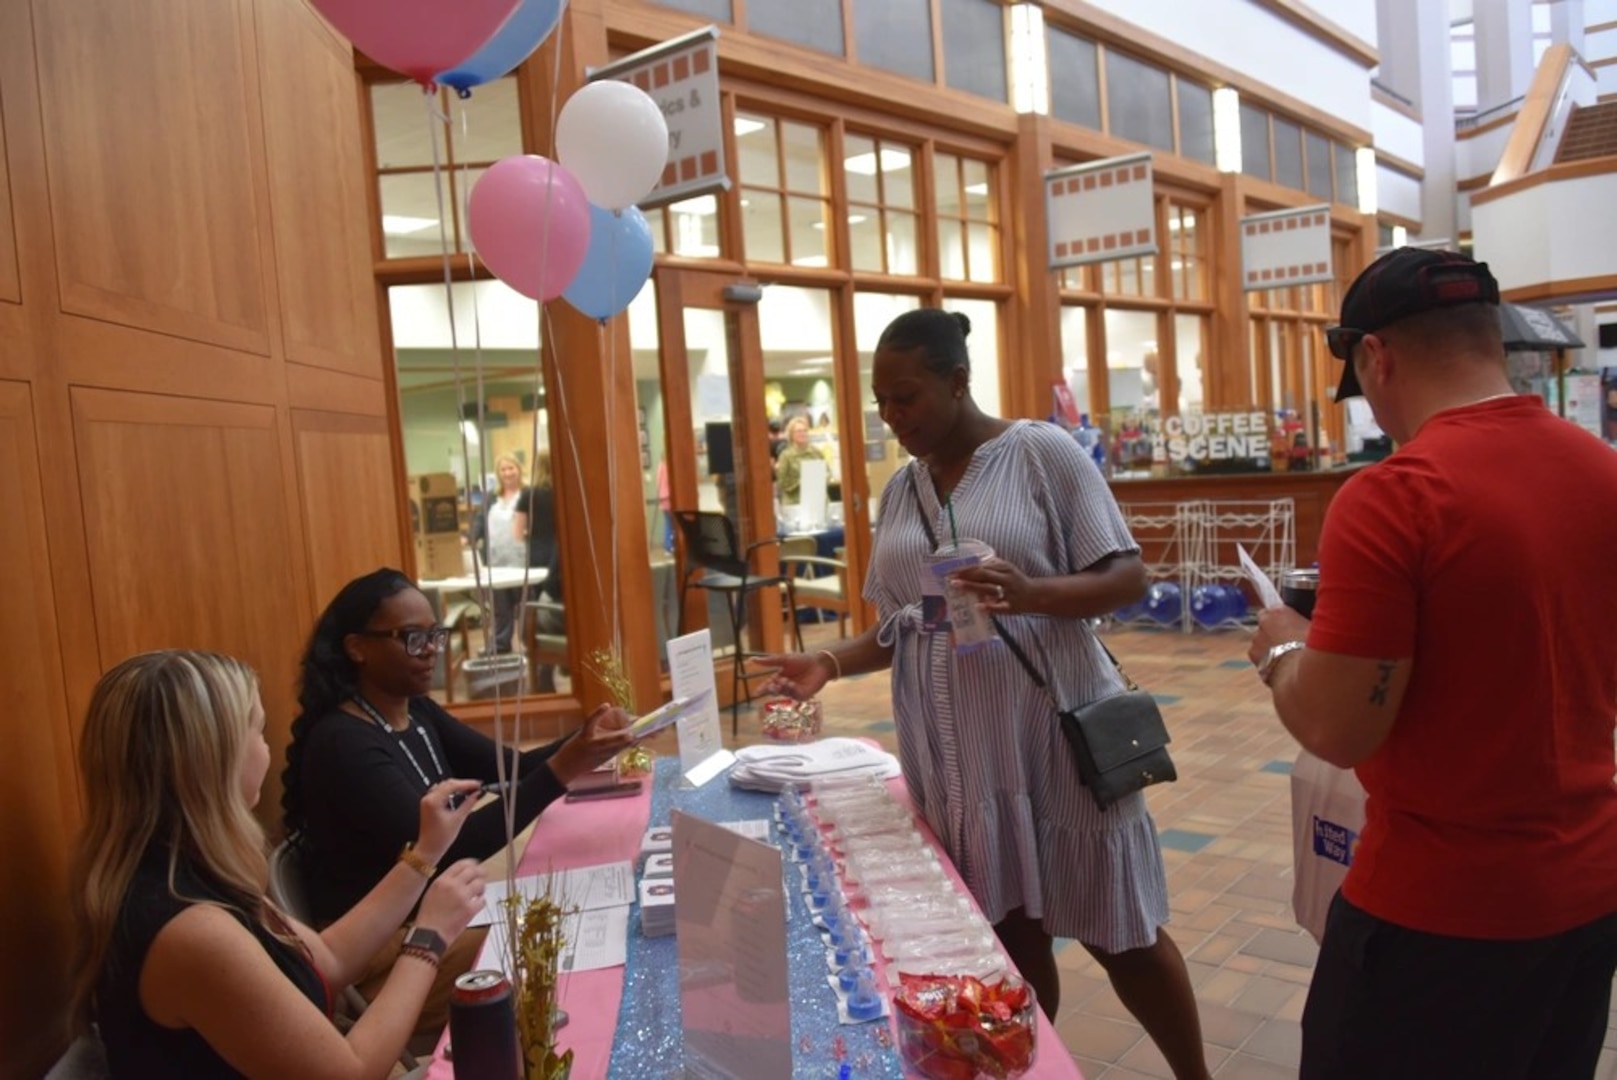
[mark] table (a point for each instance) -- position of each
(568, 835)
(493, 577)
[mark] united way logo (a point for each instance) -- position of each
(1334, 842)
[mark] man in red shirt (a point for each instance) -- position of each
(1462, 659)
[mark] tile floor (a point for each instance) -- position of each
(1226, 838)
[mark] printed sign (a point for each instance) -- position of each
(1205, 437)
(1100, 210)
(1287, 247)
(1334, 842)
(682, 77)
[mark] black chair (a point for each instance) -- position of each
(715, 560)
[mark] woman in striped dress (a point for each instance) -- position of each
(981, 747)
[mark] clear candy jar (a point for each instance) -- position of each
(787, 720)
(951, 1027)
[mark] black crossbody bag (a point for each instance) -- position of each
(1119, 742)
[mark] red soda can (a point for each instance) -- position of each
(483, 1027)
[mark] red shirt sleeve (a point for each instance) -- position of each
(1369, 554)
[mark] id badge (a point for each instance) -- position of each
(934, 605)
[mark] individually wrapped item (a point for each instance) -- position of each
(984, 965)
(963, 942)
(958, 1026)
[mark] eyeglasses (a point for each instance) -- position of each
(1341, 340)
(417, 639)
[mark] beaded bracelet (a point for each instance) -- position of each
(419, 952)
(836, 665)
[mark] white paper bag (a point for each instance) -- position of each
(1327, 815)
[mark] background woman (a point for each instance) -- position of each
(500, 544)
(789, 467)
(369, 742)
(187, 967)
(981, 746)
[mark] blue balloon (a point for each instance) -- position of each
(1163, 602)
(1209, 604)
(616, 266)
(528, 25)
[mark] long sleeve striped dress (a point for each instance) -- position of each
(981, 747)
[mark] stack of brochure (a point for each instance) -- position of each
(775, 768)
(656, 906)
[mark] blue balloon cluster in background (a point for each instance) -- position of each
(529, 24)
(1214, 604)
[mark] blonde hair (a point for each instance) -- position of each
(512, 458)
(796, 423)
(541, 469)
(160, 757)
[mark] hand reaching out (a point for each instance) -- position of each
(605, 735)
(797, 675)
(442, 815)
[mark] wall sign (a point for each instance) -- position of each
(1287, 247)
(1101, 210)
(682, 77)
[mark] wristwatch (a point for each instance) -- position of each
(1266, 667)
(421, 937)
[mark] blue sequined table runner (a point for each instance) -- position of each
(648, 1041)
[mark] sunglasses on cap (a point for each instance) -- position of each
(1341, 340)
(416, 639)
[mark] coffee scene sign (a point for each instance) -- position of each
(1210, 437)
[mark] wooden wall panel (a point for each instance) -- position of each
(10, 283)
(320, 217)
(39, 801)
(186, 522)
(349, 498)
(154, 178)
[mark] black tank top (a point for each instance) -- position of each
(136, 1045)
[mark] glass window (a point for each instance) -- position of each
(694, 227)
(720, 10)
(1138, 102)
(983, 346)
(1347, 174)
(1195, 121)
(1255, 142)
(1075, 353)
(1288, 154)
(1129, 277)
(816, 24)
(644, 342)
(895, 35)
(408, 184)
(1318, 148)
(1074, 79)
(883, 456)
(974, 46)
(800, 379)
(1132, 362)
(968, 229)
(785, 205)
(1187, 245)
(880, 178)
(1190, 351)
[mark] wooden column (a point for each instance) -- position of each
(1034, 355)
(1231, 385)
(596, 460)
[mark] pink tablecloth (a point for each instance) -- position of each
(568, 835)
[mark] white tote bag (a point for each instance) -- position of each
(1327, 815)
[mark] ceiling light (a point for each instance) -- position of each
(811, 260)
(402, 225)
(745, 125)
(1364, 161)
(977, 189)
(865, 164)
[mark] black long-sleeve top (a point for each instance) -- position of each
(362, 788)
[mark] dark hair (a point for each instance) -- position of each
(328, 676)
(939, 334)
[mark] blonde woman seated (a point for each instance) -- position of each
(189, 970)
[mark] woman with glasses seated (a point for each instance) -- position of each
(369, 741)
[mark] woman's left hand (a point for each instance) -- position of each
(1001, 588)
(604, 735)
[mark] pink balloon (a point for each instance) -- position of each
(418, 38)
(530, 224)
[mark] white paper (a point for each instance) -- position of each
(814, 479)
(595, 939)
(587, 888)
(690, 675)
(708, 769)
(1268, 595)
(734, 999)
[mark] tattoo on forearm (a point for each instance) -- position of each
(1378, 693)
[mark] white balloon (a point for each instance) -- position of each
(612, 137)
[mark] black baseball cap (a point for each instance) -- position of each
(1404, 282)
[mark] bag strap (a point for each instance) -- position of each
(1010, 639)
